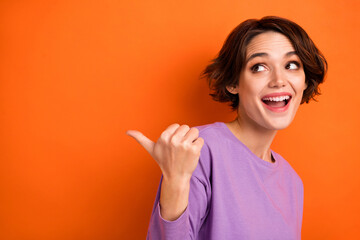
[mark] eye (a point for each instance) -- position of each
(293, 66)
(258, 68)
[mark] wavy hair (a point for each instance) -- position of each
(225, 69)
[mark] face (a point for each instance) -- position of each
(271, 83)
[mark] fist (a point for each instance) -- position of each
(177, 151)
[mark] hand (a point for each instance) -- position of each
(177, 151)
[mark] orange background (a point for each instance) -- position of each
(75, 75)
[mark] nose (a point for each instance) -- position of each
(278, 78)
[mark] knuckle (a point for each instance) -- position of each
(196, 151)
(184, 148)
(164, 136)
(173, 141)
(193, 149)
(185, 126)
(186, 145)
(200, 143)
(195, 131)
(182, 143)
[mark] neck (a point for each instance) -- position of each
(257, 139)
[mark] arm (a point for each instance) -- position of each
(174, 197)
(188, 224)
(177, 152)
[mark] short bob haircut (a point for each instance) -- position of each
(225, 69)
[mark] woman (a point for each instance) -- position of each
(222, 180)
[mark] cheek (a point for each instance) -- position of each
(300, 87)
(247, 93)
(251, 86)
(299, 91)
(303, 77)
(303, 82)
(299, 83)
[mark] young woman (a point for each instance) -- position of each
(222, 180)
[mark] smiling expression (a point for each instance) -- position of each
(272, 76)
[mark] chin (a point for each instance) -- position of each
(279, 125)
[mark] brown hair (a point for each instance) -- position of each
(225, 69)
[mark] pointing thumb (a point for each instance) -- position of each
(144, 141)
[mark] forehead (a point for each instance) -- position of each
(269, 42)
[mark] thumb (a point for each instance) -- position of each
(140, 138)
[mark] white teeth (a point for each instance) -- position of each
(277, 99)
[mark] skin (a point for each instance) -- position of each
(178, 149)
(256, 126)
(177, 153)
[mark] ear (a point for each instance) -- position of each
(232, 90)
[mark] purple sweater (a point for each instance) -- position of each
(235, 195)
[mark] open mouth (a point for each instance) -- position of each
(276, 102)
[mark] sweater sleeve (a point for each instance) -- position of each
(188, 225)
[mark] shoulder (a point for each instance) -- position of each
(289, 170)
(212, 135)
(212, 132)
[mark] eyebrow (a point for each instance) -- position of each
(262, 54)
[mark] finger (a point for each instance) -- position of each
(199, 142)
(169, 131)
(181, 131)
(191, 135)
(140, 138)
(172, 128)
